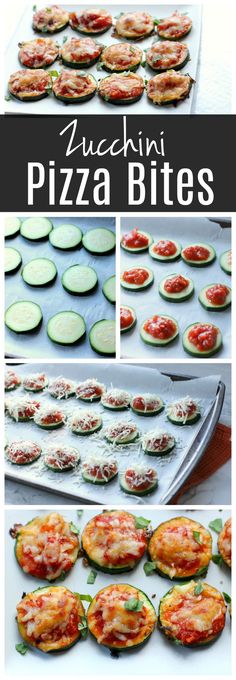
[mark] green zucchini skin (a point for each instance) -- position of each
(106, 570)
(180, 579)
(30, 99)
(129, 328)
(196, 353)
(146, 492)
(224, 266)
(98, 482)
(48, 33)
(188, 422)
(93, 344)
(54, 426)
(118, 70)
(75, 100)
(159, 453)
(121, 102)
(110, 441)
(147, 414)
(17, 266)
(79, 65)
(54, 469)
(30, 462)
(209, 307)
(86, 433)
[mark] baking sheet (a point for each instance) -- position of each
(148, 302)
(141, 381)
(96, 106)
(54, 298)
(97, 661)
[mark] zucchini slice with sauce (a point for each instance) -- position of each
(147, 405)
(36, 228)
(226, 262)
(30, 85)
(174, 27)
(158, 443)
(176, 288)
(80, 52)
(66, 328)
(85, 422)
(61, 458)
(121, 432)
(184, 411)
(116, 399)
(198, 254)
(138, 480)
(169, 87)
(11, 226)
(102, 337)
(128, 318)
(49, 418)
(121, 88)
(165, 55)
(74, 87)
(137, 278)
(215, 297)
(109, 289)
(90, 390)
(50, 19)
(99, 241)
(63, 624)
(134, 25)
(202, 339)
(66, 237)
(12, 261)
(35, 382)
(159, 330)
(79, 280)
(23, 317)
(180, 549)
(133, 613)
(121, 57)
(97, 470)
(39, 273)
(165, 250)
(12, 381)
(91, 21)
(23, 452)
(136, 241)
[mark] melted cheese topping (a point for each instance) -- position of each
(157, 440)
(72, 84)
(84, 420)
(116, 397)
(93, 20)
(181, 410)
(166, 54)
(38, 53)
(29, 83)
(123, 86)
(12, 380)
(50, 19)
(134, 25)
(111, 539)
(224, 542)
(180, 547)
(120, 431)
(35, 381)
(81, 50)
(167, 87)
(61, 388)
(174, 26)
(190, 617)
(122, 56)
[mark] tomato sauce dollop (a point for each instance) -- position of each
(126, 317)
(160, 327)
(140, 404)
(203, 336)
(176, 284)
(136, 276)
(134, 239)
(217, 294)
(135, 480)
(165, 248)
(196, 253)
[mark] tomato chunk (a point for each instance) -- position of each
(107, 470)
(138, 481)
(196, 253)
(176, 284)
(126, 317)
(134, 239)
(142, 405)
(165, 248)
(203, 336)
(217, 294)
(160, 327)
(136, 276)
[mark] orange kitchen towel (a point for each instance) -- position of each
(216, 455)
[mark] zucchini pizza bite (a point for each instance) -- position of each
(23, 452)
(61, 458)
(176, 288)
(51, 618)
(165, 250)
(215, 297)
(84, 422)
(61, 388)
(91, 21)
(192, 614)
(50, 417)
(30, 85)
(134, 25)
(166, 55)
(121, 57)
(158, 443)
(128, 318)
(22, 409)
(47, 547)
(74, 87)
(98, 470)
(80, 52)
(121, 617)
(112, 542)
(38, 53)
(185, 411)
(198, 254)
(116, 399)
(136, 241)
(202, 339)
(169, 87)
(226, 262)
(137, 278)
(174, 27)
(121, 88)
(11, 381)
(138, 480)
(51, 19)
(90, 390)
(121, 432)
(159, 330)
(36, 382)
(181, 549)
(147, 404)
(224, 542)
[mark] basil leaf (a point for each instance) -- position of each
(141, 522)
(217, 559)
(216, 525)
(53, 74)
(79, 513)
(7, 98)
(83, 627)
(133, 604)
(143, 64)
(197, 537)
(149, 567)
(62, 576)
(34, 8)
(21, 648)
(198, 588)
(156, 22)
(73, 528)
(65, 38)
(92, 576)
(227, 598)
(85, 598)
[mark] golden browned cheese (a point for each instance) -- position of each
(224, 542)
(180, 547)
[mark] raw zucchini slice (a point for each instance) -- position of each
(102, 337)
(159, 320)
(99, 241)
(175, 282)
(203, 254)
(66, 328)
(226, 262)
(147, 405)
(121, 57)
(158, 443)
(74, 87)
(137, 278)
(220, 292)
(107, 539)
(79, 280)
(165, 250)
(203, 605)
(166, 55)
(66, 237)
(109, 289)
(128, 604)
(12, 226)
(36, 228)
(136, 241)
(12, 260)
(98, 471)
(185, 411)
(128, 318)
(173, 540)
(39, 272)
(174, 27)
(23, 316)
(224, 542)
(138, 480)
(208, 339)
(23, 452)
(61, 458)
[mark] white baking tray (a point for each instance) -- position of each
(54, 298)
(96, 106)
(139, 381)
(186, 230)
(158, 656)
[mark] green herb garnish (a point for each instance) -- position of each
(92, 577)
(198, 588)
(133, 604)
(85, 598)
(217, 559)
(141, 522)
(227, 598)
(21, 648)
(83, 627)
(73, 528)
(197, 537)
(216, 525)
(149, 567)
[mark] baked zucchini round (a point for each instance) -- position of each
(46, 547)
(192, 614)
(38, 53)
(74, 87)
(112, 542)
(61, 458)
(51, 618)
(51, 19)
(121, 617)
(169, 87)
(121, 88)
(224, 542)
(23, 452)
(80, 52)
(202, 339)
(128, 318)
(166, 55)
(91, 21)
(121, 57)
(174, 27)
(134, 25)
(181, 549)
(30, 85)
